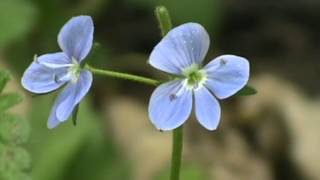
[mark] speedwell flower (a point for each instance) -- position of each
(181, 53)
(51, 71)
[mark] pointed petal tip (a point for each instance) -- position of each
(49, 126)
(52, 123)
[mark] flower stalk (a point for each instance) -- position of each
(165, 24)
(164, 19)
(177, 145)
(120, 75)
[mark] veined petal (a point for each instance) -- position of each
(41, 79)
(76, 36)
(183, 46)
(207, 109)
(73, 94)
(226, 75)
(170, 105)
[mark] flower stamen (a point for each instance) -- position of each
(195, 77)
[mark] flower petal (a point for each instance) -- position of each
(76, 36)
(170, 105)
(207, 109)
(226, 75)
(41, 79)
(183, 46)
(53, 119)
(73, 94)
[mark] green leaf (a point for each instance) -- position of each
(9, 100)
(14, 159)
(13, 129)
(247, 91)
(4, 78)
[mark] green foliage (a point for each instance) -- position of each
(77, 152)
(4, 78)
(15, 161)
(16, 18)
(9, 100)
(14, 157)
(247, 91)
(13, 129)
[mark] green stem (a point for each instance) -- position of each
(119, 75)
(165, 24)
(177, 145)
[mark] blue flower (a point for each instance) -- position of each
(181, 53)
(54, 70)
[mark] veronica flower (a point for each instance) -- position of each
(181, 53)
(54, 70)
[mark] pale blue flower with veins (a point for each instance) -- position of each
(54, 70)
(181, 53)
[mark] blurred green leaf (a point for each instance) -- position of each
(14, 159)
(64, 152)
(60, 147)
(9, 100)
(4, 78)
(247, 91)
(16, 19)
(14, 156)
(13, 129)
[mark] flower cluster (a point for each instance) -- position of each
(181, 53)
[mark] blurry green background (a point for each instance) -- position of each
(273, 135)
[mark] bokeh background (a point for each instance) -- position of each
(273, 135)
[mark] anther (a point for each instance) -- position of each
(56, 79)
(172, 97)
(223, 61)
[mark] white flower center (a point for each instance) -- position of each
(195, 77)
(74, 71)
